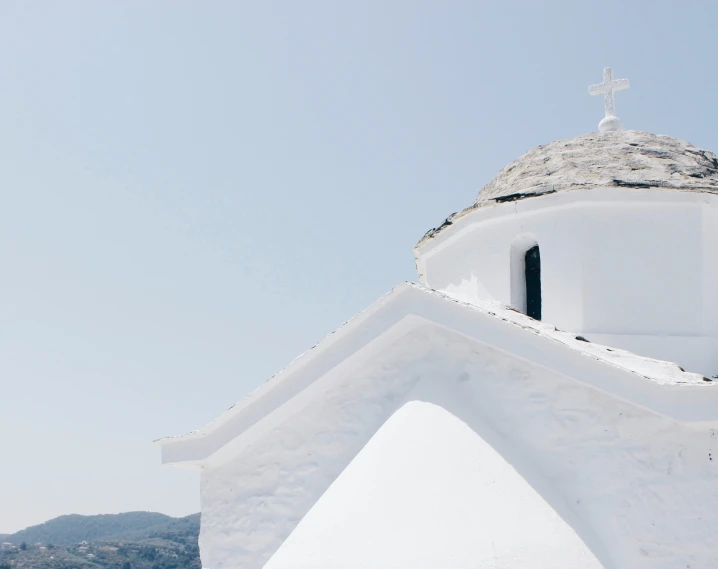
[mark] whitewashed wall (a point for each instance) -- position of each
(637, 269)
(594, 473)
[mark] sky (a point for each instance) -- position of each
(194, 193)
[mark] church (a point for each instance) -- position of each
(545, 397)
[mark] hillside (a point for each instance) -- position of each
(134, 540)
(72, 529)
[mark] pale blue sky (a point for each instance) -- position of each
(193, 193)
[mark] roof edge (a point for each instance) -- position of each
(659, 386)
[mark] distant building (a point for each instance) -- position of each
(5, 546)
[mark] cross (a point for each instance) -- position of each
(609, 85)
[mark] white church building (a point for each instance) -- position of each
(545, 398)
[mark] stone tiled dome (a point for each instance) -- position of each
(629, 159)
(624, 159)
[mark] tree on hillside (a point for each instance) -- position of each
(23, 546)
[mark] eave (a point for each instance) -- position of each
(661, 387)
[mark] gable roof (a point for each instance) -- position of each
(656, 385)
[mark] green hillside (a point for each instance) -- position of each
(67, 530)
(134, 540)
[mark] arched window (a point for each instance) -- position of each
(532, 275)
(526, 276)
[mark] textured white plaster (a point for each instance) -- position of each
(467, 290)
(637, 488)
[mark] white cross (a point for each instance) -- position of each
(610, 121)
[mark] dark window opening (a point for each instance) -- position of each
(533, 282)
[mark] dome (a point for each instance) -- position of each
(624, 159)
(620, 244)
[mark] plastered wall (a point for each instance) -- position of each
(627, 267)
